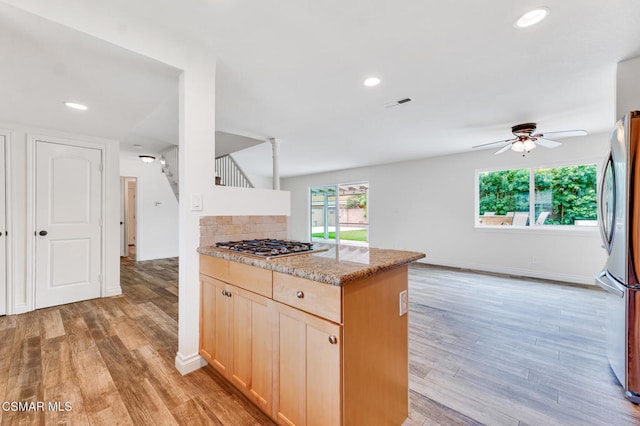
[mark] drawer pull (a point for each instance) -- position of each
(333, 340)
(299, 294)
(226, 293)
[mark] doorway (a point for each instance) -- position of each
(129, 217)
(339, 214)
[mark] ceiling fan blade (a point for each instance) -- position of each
(561, 134)
(492, 143)
(503, 149)
(548, 143)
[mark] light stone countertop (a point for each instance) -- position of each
(335, 265)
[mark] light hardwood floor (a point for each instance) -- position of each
(113, 361)
(484, 349)
(496, 350)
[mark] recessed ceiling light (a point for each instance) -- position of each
(532, 17)
(372, 81)
(76, 105)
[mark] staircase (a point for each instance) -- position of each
(169, 162)
(228, 173)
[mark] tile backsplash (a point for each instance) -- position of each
(214, 229)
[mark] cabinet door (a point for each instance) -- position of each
(251, 328)
(309, 379)
(214, 323)
(290, 383)
(324, 373)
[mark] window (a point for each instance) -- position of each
(339, 214)
(538, 196)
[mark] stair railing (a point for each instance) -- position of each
(229, 173)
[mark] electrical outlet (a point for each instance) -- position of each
(404, 302)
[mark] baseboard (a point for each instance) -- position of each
(186, 365)
(19, 309)
(520, 272)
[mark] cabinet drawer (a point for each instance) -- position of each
(251, 278)
(314, 297)
(214, 267)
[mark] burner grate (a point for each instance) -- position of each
(267, 247)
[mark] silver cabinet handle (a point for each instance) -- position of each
(299, 294)
(333, 339)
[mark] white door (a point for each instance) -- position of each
(3, 232)
(68, 229)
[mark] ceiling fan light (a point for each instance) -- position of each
(517, 146)
(528, 145)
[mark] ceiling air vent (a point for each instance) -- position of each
(396, 103)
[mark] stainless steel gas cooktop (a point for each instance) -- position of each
(268, 248)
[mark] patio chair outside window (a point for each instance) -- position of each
(520, 219)
(542, 217)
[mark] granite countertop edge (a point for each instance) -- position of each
(311, 271)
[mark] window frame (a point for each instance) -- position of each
(533, 227)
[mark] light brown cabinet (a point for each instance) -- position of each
(308, 386)
(214, 323)
(236, 338)
(305, 352)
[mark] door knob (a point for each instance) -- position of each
(333, 340)
(43, 233)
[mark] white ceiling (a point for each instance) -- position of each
(45, 64)
(293, 70)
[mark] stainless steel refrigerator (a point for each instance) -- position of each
(619, 206)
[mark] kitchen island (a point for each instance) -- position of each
(317, 338)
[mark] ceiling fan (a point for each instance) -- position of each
(526, 139)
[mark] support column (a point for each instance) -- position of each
(275, 145)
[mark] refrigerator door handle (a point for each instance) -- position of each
(605, 224)
(610, 285)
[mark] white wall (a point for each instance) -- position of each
(20, 220)
(428, 205)
(157, 225)
(628, 87)
(229, 201)
(261, 182)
